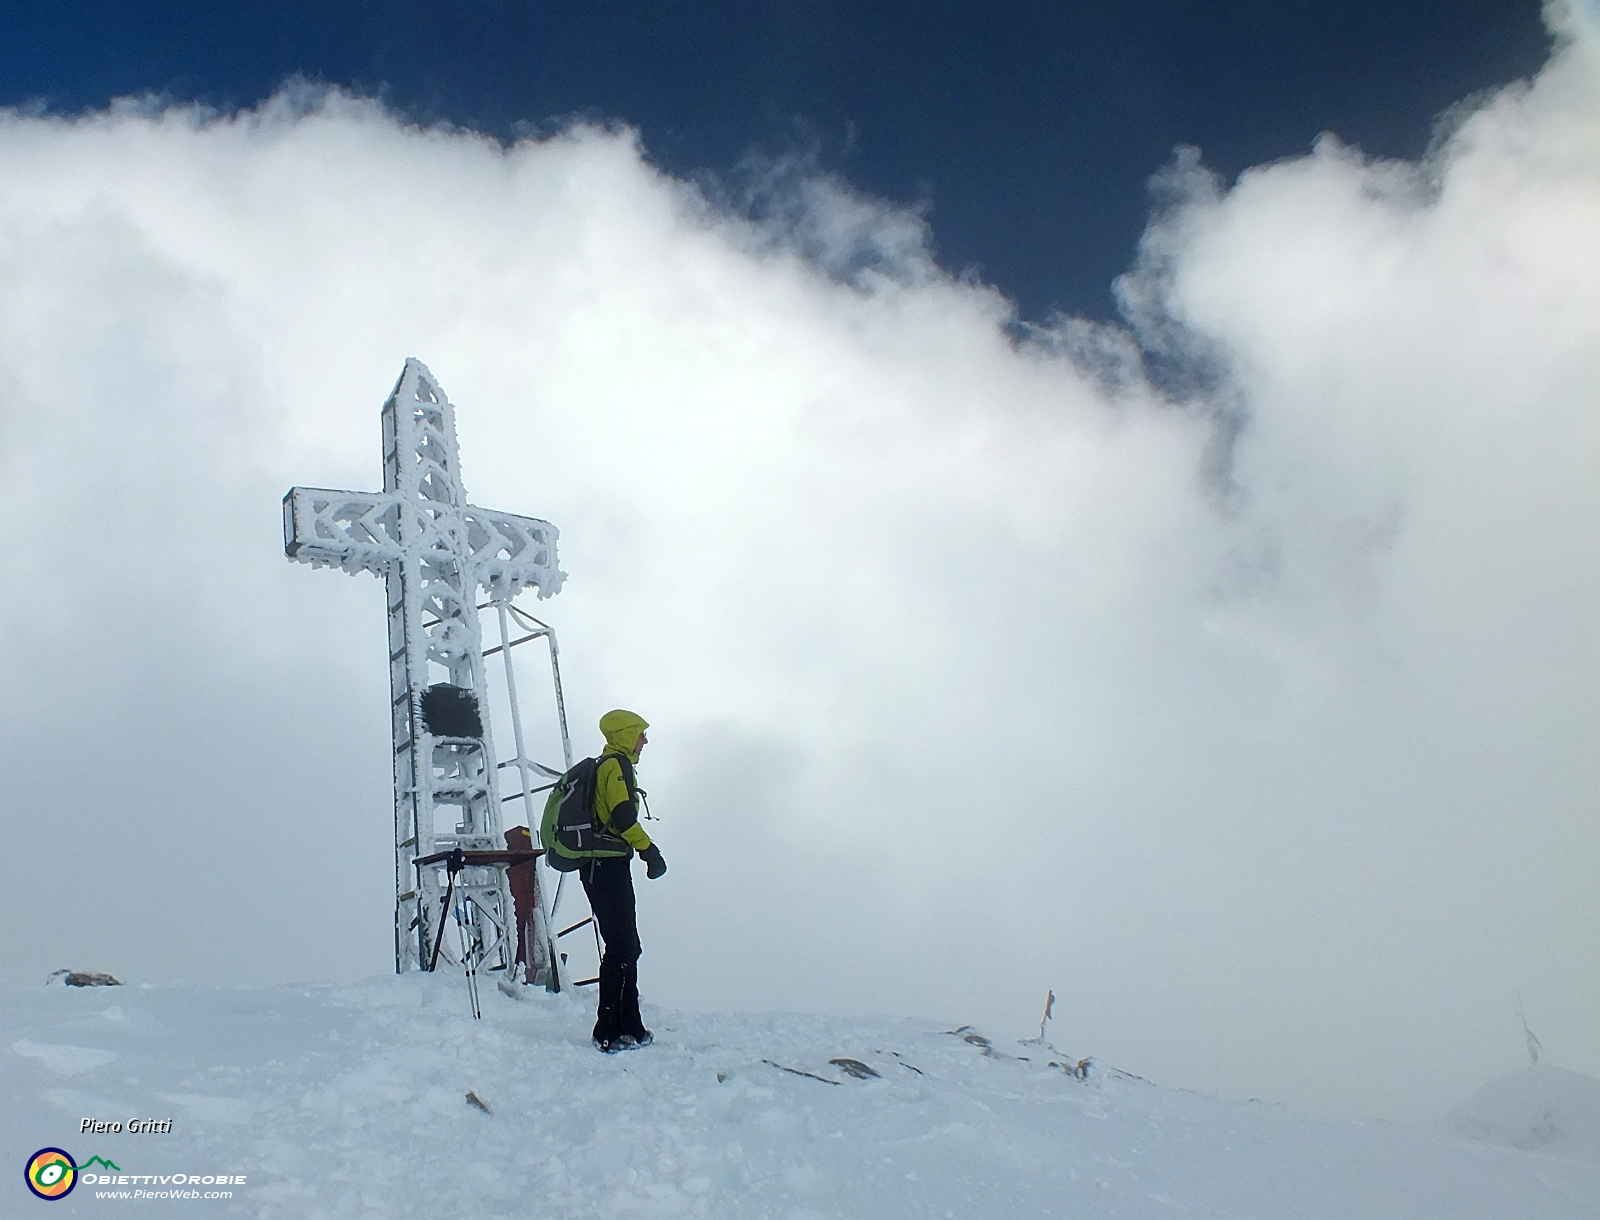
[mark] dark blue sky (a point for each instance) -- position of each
(1030, 130)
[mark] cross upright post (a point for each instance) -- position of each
(434, 551)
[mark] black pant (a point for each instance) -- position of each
(609, 885)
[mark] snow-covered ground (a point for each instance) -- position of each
(352, 1101)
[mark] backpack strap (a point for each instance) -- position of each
(625, 764)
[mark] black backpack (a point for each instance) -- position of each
(568, 830)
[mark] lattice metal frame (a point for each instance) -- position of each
(434, 551)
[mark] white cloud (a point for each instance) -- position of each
(969, 675)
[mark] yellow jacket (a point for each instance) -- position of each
(616, 807)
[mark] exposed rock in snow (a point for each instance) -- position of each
(85, 978)
(1542, 1108)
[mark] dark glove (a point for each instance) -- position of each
(654, 865)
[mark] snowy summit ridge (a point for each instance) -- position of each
(354, 1100)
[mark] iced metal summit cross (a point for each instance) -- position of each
(434, 551)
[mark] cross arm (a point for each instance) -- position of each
(511, 553)
(358, 531)
(361, 531)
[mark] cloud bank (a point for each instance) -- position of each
(1257, 717)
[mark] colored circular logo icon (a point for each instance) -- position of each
(51, 1173)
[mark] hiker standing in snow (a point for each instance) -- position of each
(608, 881)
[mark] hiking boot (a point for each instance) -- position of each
(622, 1042)
(641, 1037)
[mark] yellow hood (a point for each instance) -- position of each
(622, 729)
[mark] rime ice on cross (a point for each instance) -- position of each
(434, 551)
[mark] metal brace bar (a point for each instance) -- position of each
(517, 796)
(489, 652)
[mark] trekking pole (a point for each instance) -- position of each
(469, 959)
